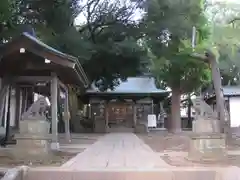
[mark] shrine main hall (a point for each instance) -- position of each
(126, 108)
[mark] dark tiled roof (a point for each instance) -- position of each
(231, 90)
(227, 91)
(137, 85)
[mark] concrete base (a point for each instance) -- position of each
(36, 147)
(207, 147)
(33, 140)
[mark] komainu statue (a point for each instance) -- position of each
(203, 109)
(37, 110)
(204, 112)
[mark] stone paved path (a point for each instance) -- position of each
(119, 151)
(123, 156)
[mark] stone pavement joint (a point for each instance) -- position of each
(117, 151)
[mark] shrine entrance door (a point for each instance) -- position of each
(120, 117)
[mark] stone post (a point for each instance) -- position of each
(162, 116)
(99, 117)
(106, 117)
(54, 109)
(13, 107)
(134, 114)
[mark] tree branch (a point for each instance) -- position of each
(234, 20)
(204, 58)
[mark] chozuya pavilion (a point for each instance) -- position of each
(126, 108)
(29, 66)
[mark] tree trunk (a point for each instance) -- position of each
(217, 83)
(210, 58)
(175, 125)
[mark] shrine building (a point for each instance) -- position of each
(126, 108)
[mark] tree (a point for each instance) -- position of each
(7, 10)
(106, 40)
(109, 42)
(168, 33)
(211, 58)
(225, 37)
(106, 43)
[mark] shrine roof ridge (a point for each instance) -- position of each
(136, 85)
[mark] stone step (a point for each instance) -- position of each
(156, 174)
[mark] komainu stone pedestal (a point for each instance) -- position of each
(33, 140)
(207, 143)
(206, 125)
(207, 147)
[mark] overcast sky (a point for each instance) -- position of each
(231, 1)
(81, 18)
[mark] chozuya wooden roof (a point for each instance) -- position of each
(67, 67)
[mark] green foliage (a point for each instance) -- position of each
(169, 26)
(106, 43)
(181, 71)
(5, 11)
(222, 12)
(225, 38)
(229, 63)
(7, 20)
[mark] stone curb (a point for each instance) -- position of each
(175, 173)
(18, 173)
(164, 173)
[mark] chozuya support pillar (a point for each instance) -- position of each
(54, 110)
(33, 139)
(66, 116)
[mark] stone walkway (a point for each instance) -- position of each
(123, 156)
(117, 151)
